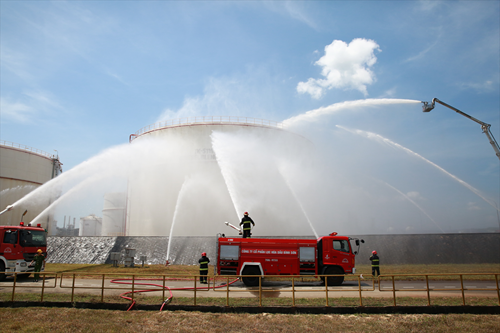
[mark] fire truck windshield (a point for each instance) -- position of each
(33, 238)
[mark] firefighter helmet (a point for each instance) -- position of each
(39, 251)
(374, 252)
(203, 254)
(246, 213)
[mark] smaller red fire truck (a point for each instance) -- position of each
(18, 246)
(326, 255)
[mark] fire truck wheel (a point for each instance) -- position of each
(2, 269)
(251, 281)
(334, 280)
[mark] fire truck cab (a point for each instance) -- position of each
(18, 246)
(326, 255)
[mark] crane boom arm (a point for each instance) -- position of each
(484, 126)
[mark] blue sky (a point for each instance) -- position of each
(81, 76)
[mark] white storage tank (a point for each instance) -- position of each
(212, 170)
(90, 226)
(113, 213)
(22, 170)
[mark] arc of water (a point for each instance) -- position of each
(380, 138)
(414, 203)
(66, 195)
(313, 115)
(174, 219)
(224, 169)
(297, 201)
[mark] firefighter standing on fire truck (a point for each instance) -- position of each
(203, 267)
(375, 263)
(39, 260)
(246, 221)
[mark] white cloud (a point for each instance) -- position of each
(16, 111)
(234, 96)
(481, 87)
(414, 195)
(344, 66)
(28, 106)
(472, 206)
(423, 52)
(294, 9)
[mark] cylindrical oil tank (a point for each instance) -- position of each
(113, 213)
(213, 169)
(90, 226)
(23, 169)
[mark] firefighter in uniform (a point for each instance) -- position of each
(375, 263)
(246, 221)
(39, 260)
(203, 267)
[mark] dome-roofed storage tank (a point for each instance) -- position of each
(213, 169)
(23, 169)
(113, 212)
(90, 226)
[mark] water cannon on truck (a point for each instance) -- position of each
(254, 257)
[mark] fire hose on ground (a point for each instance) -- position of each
(166, 301)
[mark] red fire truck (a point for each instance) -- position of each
(326, 255)
(18, 246)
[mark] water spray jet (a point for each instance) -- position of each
(7, 209)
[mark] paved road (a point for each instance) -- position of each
(270, 288)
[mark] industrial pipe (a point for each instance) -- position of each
(484, 126)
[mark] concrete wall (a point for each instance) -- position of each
(392, 249)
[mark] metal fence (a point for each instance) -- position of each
(222, 286)
(26, 148)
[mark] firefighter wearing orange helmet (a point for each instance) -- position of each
(246, 221)
(203, 267)
(375, 263)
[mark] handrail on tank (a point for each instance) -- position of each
(24, 147)
(206, 119)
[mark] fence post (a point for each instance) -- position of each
(260, 290)
(43, 287)
(326, 290)
(195, 290)
(428, 291)
(393, 289)
(163, 291)
(102, 289)
(360, 296)
(73, 288)
(462, 287)
(227, 290)
(133, 287)
(498, 290)
(14, 287)
(293, 291)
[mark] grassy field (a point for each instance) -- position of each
(82, 320)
